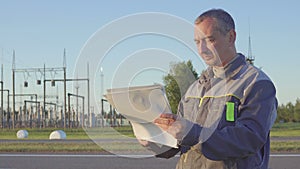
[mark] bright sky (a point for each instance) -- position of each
(39, 31)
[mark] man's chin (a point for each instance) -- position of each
(210, 62)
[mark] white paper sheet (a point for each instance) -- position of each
(141, 105)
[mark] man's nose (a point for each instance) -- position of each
(202, 47)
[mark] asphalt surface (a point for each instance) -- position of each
(109, 161)
(297, 138)
(86, 161)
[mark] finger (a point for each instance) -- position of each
(168, 115)
(164, 121)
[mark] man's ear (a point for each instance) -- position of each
(232, 36)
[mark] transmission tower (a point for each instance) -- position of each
(250, 57)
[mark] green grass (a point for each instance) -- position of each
(78, 134)
(49, 147)
(68, 147)
(285, 146)
(285, 130)
(44, 133)
(278, 130)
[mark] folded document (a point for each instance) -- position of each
(141, 105)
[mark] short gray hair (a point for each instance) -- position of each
(224, 20)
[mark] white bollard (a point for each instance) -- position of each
(22, 134)
(58, 134)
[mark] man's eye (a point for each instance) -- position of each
(211, 40)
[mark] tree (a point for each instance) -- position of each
(297, 111)
(281, 114)
(289, 110)
(180, 77)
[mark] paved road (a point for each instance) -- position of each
(92, 161)
(295, 138)
(65, 161)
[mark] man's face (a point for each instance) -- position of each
(211, 43)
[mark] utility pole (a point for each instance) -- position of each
(101, 95)
(2, 109)
(88, 81)
(13, 91)
(65, 86)
(77, 87)
(44, 103)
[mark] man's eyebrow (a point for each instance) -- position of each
(204, 38)
(209, 37)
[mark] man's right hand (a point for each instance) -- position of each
(144, 143)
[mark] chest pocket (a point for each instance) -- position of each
(208, 111)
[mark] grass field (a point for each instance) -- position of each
(71, 133)
(284, 130)
(290, 133)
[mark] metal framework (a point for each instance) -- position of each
(2, 109)
(65, 103)
(24, 102)
(28, 70)
(37, 105)
(43, 72)
(82, 116)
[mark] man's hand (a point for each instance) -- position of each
(144, 143)
(165, 121)
(176, 126)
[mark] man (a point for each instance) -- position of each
(224, 119)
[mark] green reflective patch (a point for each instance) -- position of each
(230, 111)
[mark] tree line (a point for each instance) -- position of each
(289, 112)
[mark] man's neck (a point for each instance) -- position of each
(228, 60)
(220, 71)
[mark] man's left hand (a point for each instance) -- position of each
(178, 127)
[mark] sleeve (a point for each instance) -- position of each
(171, 152)
(162, 151)
(250, 133)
